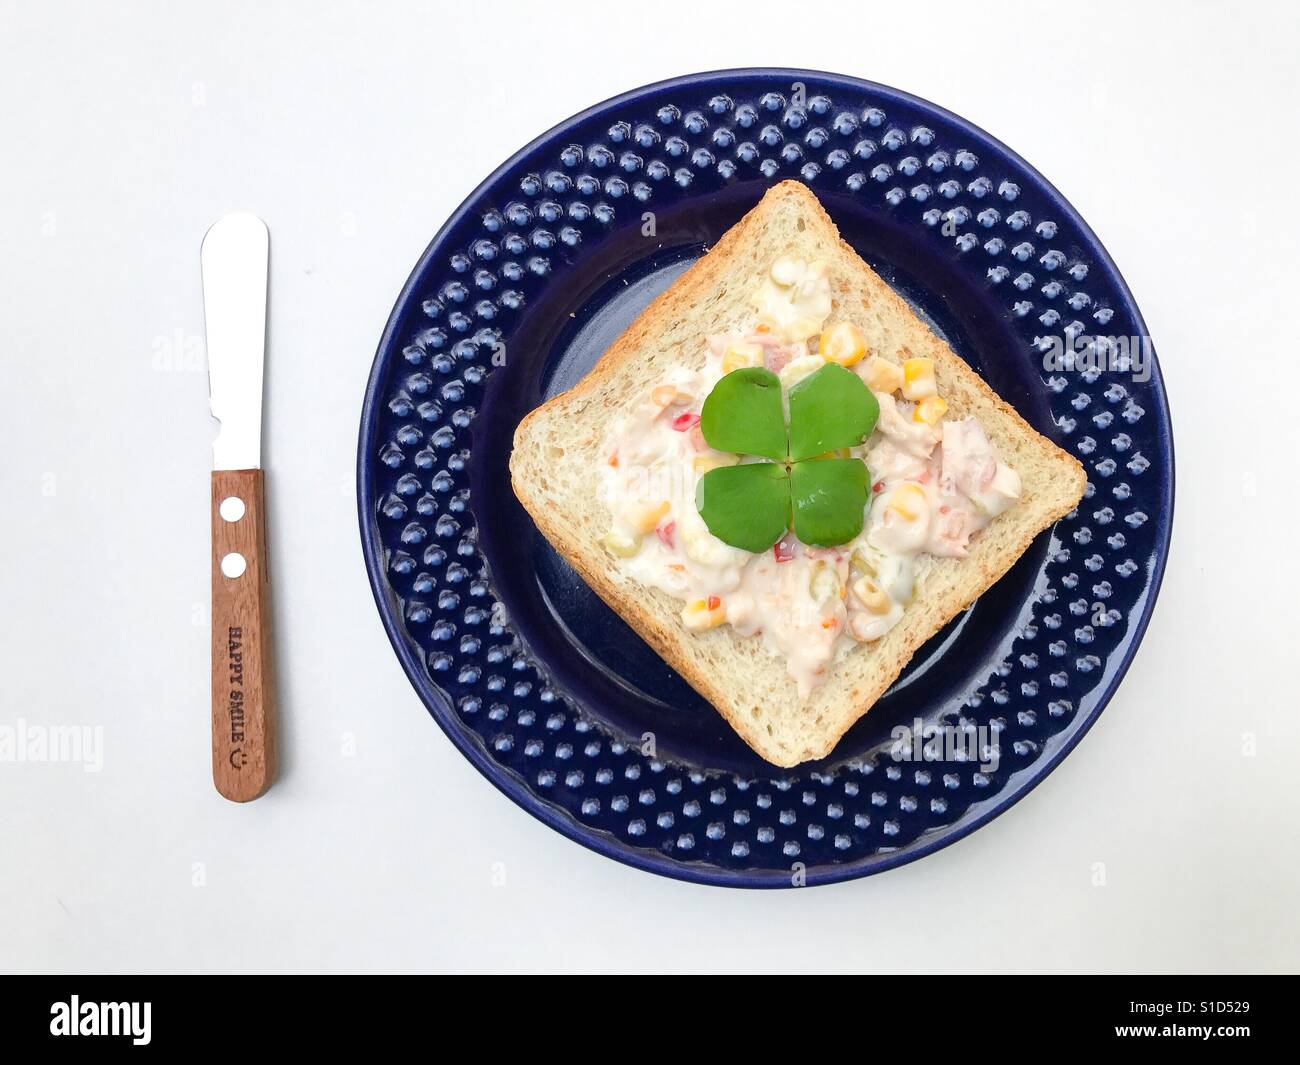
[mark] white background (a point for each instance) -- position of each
(354, 130)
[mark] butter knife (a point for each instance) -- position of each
(234, 260)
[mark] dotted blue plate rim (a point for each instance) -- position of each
(502, 728)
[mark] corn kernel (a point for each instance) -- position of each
(823, 581)
(701, 614)
(618, 544)
(918, 379)
(869, 594)
(705, 548)
(740, 355)
(663, 395)
(801, 327)
(881, 375)
(796, 370)
(786, 271)
(930, 410)
(859, 562)
(907, 501)
(867, 629)
(642, 517)
(843, 343)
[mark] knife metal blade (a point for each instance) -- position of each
(234, 260)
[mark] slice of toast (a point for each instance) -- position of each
(557, 453)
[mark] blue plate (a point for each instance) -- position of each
(542, 686)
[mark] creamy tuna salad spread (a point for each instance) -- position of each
(934, 482)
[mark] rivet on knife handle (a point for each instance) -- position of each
(235, 259)
(243, 692)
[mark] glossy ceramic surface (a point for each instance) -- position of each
(542, 686)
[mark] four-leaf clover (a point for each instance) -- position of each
(751, 505)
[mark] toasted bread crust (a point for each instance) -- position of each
(1053, 485)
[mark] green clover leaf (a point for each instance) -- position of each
(747, 505)
(743, 414)
(751, 506)
(829, 409)
(830, 498)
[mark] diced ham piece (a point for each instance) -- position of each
(912, 438)
(768, 340)
(778, 358)
(969, 461)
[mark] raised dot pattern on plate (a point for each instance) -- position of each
(899, 156)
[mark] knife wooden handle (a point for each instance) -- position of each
(243, 696)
